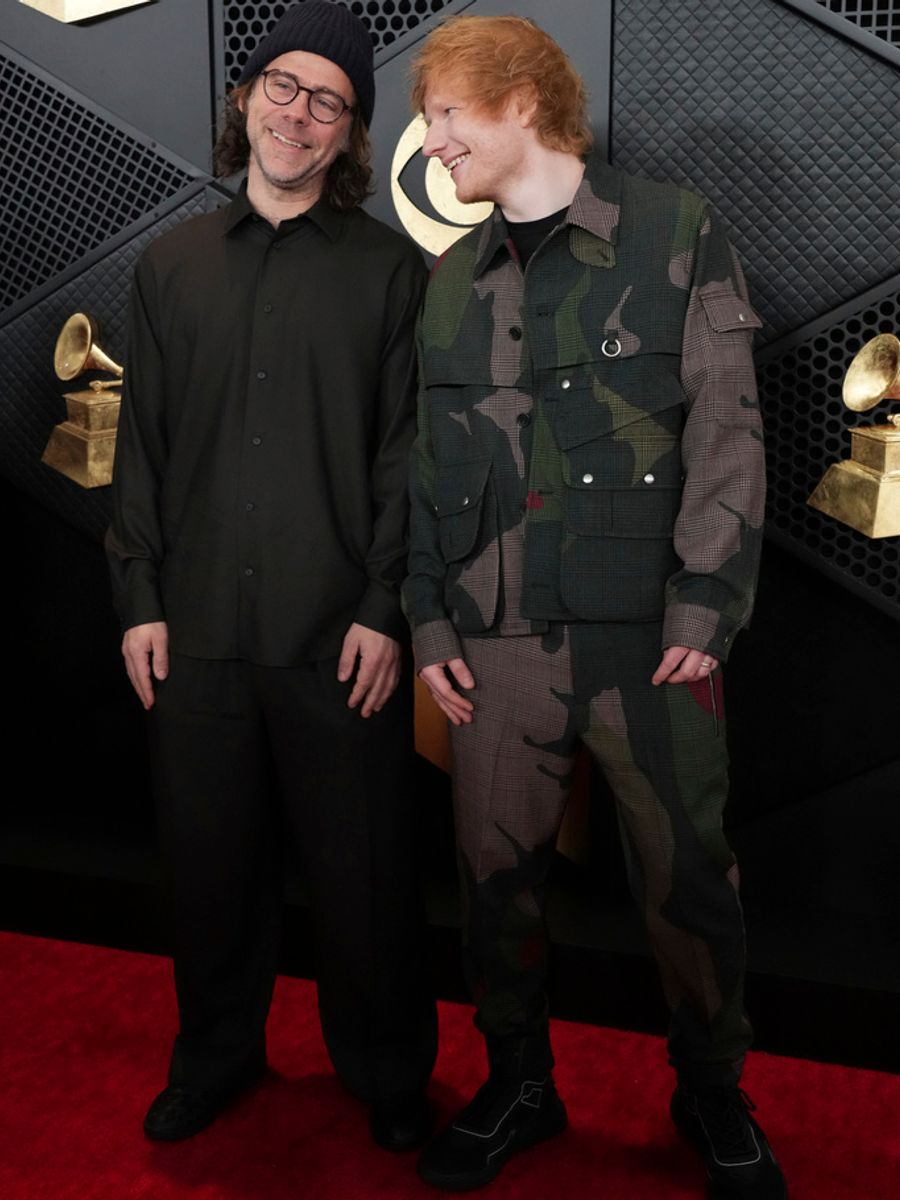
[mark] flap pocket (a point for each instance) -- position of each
(641, 512)
(458, 499)
(727, 311)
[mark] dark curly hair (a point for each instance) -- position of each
(349, 179)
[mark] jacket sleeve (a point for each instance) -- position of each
(134, 543)
(379, 608)
(434, 637)
(718, 532)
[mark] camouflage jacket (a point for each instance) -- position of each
(589, 443)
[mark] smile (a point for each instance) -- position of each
(454, 162)
(287, 141)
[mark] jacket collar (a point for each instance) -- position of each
(595, 208)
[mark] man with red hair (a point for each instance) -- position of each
(587, 491)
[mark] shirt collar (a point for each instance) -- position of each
(328, 219)
(595, 208)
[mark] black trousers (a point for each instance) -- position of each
(238, 751)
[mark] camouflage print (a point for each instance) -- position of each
(663, 753)
(587, 488)
(554, 482)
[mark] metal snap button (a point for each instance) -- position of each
(565, 384)
(648, 478)
(587, 478)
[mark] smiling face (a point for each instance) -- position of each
(485, 154)
(290, 152)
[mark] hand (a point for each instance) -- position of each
(444, 694)
(379, 667)
(683, 665)
(145, 647)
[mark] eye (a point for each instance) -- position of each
(327, 102)
(281, 85)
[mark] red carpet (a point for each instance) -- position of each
(85, 1041)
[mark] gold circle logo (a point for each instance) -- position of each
(432, 235)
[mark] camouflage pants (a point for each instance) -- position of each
(663, 753)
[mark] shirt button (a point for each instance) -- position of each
(249, 506)
(648, 478)
(523, 420)
(267, 308)
(465, 501)
(248, 571)
(257, 441)
(515, 333)
(565, 384)
(260, 374)
(741, 317)
(587, 478)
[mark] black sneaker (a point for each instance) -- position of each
(739, 1161)
(503, 1118)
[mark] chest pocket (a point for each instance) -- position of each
(618, 432)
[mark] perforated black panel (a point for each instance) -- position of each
(70, 180)
(789, 130)
(807, 429)
(31, 397)
(881, 17)
(247, 22)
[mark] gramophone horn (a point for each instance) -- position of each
(874, 374)
(77, 351)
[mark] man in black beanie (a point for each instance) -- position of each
(257, 546)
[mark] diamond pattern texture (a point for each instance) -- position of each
(790, 131)
(71, 180)
(32, 400)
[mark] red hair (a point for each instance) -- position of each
(492, 58)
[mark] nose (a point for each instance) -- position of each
(299, 106)
(433, 141)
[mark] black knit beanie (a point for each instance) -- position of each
(331, 30)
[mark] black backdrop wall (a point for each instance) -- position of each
(785, 113)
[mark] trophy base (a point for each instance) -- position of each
(861, 498)
(83, 455)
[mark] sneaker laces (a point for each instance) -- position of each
(724, 1113)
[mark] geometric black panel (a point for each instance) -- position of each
(71, 180)
(790, 130)
(246, 23)
(881, 17)
(31, 397)
(806, 430)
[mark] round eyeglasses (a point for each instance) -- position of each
(324, 106)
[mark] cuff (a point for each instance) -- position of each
(699, 628)
(435, 642)
(379, 609)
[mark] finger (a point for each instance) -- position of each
(160, 651)
(694, 666)
(365, 677)
(347, 660)
(452, 710)
(450, 702)
(446, 694)
(138, 668)
(461, 672)
(670, 660)
(382, 689)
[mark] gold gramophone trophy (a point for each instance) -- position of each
(864, 490)
(83, 446)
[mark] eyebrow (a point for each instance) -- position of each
(313, 87)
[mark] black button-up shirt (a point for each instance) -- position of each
(260, 484)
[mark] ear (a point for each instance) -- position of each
(243, 96)
(525, 102)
